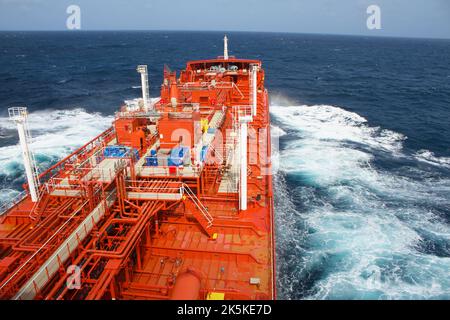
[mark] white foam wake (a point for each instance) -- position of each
(354, 228)
(430, 158)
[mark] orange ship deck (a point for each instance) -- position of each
(139, 226)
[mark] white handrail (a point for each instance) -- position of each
(9, 204)
(184, 188)
(216, 154)
(239, 90)
(199, 204)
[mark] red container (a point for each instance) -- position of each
(172, 170)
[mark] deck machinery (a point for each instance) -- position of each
(174, 201)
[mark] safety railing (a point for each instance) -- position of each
(168, 171)
(72, 182)
(209, 219)
(61, 183)
(216, 158)
(140, 186)
(242, 111)
(5, 206)
(172, 188)
(63, 187)
(138, 114)
(17, 112)
(172, 192)
(73, 158)
(238, 90)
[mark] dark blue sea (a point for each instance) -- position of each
(363, 183)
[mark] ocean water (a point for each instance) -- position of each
(363, 208)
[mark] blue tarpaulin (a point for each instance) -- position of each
(151, 161)
(120, 152)
(177, 156)
(203, 153)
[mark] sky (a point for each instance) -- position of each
(401, 18)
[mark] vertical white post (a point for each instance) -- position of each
(225, 48)
(198, 152)
(243, 177)
(254, 89)
(18, 115)
(142, 69)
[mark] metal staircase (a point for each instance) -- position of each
(202, 215)
(40, 205)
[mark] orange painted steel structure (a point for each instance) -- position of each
(135, 231)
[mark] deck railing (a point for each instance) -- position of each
(187, 190)
(71, 159)
(4, 207)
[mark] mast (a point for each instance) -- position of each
(244, 118)
(225, 48)
(142, 69)
(243, 170)
(19, 116)
(254, 88)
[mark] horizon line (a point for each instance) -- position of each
(231, 31)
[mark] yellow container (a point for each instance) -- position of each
(205, 125)
(215, 296)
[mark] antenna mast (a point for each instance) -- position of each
(225, 48)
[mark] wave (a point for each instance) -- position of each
(430, 158)
(349, 228)
(55, 134)
(63, 81)
(7, 194)
(276, 131)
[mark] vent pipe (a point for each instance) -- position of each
(243, 139)
(225, 48)
(142, 69)
(254, 81)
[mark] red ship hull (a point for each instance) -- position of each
(123, 218)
